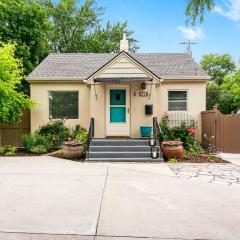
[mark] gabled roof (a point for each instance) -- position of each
(124, 55)
(80, 66)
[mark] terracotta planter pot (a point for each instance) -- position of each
(72, 149)
(172, 149)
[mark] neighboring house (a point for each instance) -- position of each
(114, 89)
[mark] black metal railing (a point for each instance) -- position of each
(157, 132)
(91, 131)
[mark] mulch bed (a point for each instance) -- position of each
(22, 153)
(202, 159)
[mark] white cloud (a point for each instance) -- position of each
(230, 10)
(191, 33)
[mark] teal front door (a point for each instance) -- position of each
(118, 105)
(118, 111)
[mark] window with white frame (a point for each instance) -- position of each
(177, 100)
(63, 104)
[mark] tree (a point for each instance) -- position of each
(197, 8)
(25, 23)
(77, 28)
(218, 66)
(213, 94)
(107, 39)
(11, 101)
(231, 89)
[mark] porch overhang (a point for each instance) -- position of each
(122, 79)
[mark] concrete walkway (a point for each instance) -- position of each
(227, 174)
(231, 157)
(49, 198)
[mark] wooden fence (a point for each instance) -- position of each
(12, 133)
(223, 130)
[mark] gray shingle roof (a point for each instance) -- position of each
(82, 65)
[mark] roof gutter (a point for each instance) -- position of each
(42, 79)
(195, 78)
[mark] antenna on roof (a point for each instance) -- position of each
(189, 46)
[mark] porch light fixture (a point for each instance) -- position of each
(144, 86)
(154, 152)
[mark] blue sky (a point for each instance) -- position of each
(159, 25)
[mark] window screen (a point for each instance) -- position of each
(63, 105)
(177, 100)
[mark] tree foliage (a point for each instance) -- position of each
(196, 9)
(222, 89)
(25, 23)
(218, 66)
(39, 27)
(77, 28)
(231, 89)
(11, 101)
(213, 94)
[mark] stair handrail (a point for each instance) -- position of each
(91, 130)
(157, 132)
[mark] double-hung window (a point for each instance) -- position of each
(177, 100)
(63, 104)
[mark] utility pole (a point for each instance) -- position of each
(189, 46)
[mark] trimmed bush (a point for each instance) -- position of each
(55, 131)
(31, 141)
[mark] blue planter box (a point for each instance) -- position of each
(146, 131)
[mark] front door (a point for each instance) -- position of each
(118, 113)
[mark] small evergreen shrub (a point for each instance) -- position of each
(55, 131)
(28, 141)
(32, 141)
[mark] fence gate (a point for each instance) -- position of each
(224, 128)
(12, 133)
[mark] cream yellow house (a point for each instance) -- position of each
(119, 91)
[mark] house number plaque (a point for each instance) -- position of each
(143, 94)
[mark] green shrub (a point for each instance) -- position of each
(1, 150)
(78, 129)
(32, 141)
(55, 131)
(40, 149)
(28, 141)
(8, 150)
(83, 138)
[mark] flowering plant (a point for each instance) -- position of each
(191, 130)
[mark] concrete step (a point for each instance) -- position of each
(120, 154)
(112, 142)
(120, 149)
(147, 160)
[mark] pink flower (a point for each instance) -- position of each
(191, 130)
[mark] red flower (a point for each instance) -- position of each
(191, 130)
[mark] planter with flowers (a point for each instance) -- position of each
(178, 138)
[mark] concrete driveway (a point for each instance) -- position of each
(49, 198)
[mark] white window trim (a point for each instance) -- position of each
(177, 90)
(62, 91)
